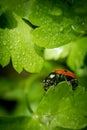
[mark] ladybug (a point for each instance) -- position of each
(58, 76)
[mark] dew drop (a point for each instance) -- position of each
(72, 26)
(23, 53)
(15, 65)
(10, 47)
(4, 43)
(61, 29)
(35, 117)
(83, 23)
(18, 56)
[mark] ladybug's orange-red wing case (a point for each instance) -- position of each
(65, 72)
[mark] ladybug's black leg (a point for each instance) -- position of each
(58, 79)
(66, 79)
(74, 83)
(62, 77)
(55, 83)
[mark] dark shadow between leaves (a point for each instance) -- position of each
(7, 20)
(29, 23)
(85, 59)
(8, 105)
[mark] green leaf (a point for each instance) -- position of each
(60, 128)
(53, 34)
(36, 124)
(19, 7)
(44, 11)
(56, 25)
(21, 123)
(16, 43)
(82, 81)
(60, 107)
(51, 93)
(12, 123)
(80, 102)
(77, 59)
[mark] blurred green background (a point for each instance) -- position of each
(37, 37)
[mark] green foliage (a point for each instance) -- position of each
(21, 7)
(58, 21)
(77, 59)
(18, 123)
(16, 42)
(33, 32)
(61, 107)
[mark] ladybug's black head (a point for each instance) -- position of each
(49, 81)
